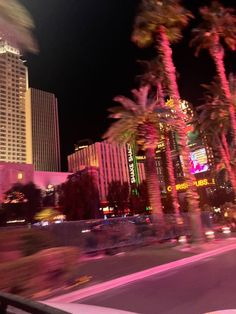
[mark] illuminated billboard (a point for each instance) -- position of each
(198, 161)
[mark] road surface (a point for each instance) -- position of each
(204, 286)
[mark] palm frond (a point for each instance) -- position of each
(212, 118)
(216, 21)
(141, 96)
(139, 120)
(127, 103)
(153, 72)
(152, 14)
(16, 25)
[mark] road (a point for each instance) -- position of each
(204, 286)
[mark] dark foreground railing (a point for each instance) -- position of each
(10, 303)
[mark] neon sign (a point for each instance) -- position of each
(198, 161)
(198, 183)
(131, 164)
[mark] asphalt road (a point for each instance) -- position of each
(204, 286)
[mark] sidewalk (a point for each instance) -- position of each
(105, 272)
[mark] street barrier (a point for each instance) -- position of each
(10, 302)
(114, 233)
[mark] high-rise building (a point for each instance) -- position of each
(111, 160)
(15, 131)
(45, 130)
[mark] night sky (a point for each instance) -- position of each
(86, 58)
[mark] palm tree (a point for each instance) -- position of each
(213, 122)
(218, 27)
(16, 25)
(161, 22)
(215, 129)
(139, 123)
(153, 76)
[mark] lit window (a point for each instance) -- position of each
(20, 175)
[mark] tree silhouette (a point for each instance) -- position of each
(79, 197)
(118, 196)
(22, 201)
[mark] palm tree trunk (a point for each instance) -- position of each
(153, 185)
(170, 166)
(160, 94)
(226, 161)
(217, 53)
(225, 146)
(169, 68)
(171, 174)
(191, 193)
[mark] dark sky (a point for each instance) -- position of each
(86, 58)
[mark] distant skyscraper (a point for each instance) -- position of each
(45, 130)
(15, 131)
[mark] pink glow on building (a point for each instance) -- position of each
(44, 178)
(12, 173)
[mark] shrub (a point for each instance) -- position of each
(46, 270)
(34, 241)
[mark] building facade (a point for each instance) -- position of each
(111, 160)
(12, 173)
(15, 125)
(45, 130)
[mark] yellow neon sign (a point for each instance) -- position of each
(198, 183)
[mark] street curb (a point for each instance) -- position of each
(114, 283)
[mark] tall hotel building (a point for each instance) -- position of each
(45, 130)
(110, 160)
(15, 132)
